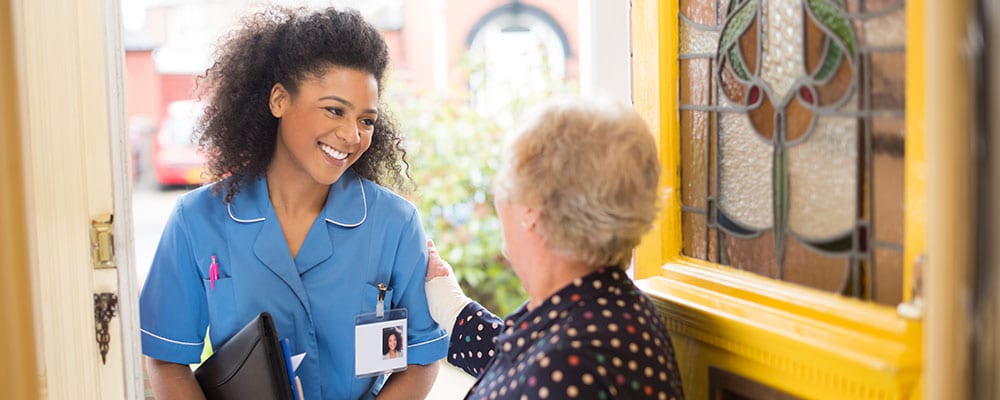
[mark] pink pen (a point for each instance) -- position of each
(213, 272)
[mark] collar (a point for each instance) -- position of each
(346, 204)
(526, 324)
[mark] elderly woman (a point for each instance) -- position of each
(576, 191)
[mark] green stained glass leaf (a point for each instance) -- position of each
(833, 18)
(830, 62)
(739, 66)
(734, 28)
(732, 5)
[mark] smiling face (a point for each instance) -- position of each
(326, 126)
(391, 342)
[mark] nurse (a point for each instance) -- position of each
(298, 223)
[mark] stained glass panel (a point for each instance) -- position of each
(887, 83)
(751, 254)
(694, 166)
(698, 41)
(695, 89)
(823, 180)
(887, 178)
(807, 267)
(745, 172)
(889, 30)
(701, 12)
(802, 161)
(694, 239)
(889, 272)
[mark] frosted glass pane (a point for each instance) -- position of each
(823, 171)
(816, 270)
(887, 30)
(783, 28)
(695, 40)
(878, 6)
(694, 136)
(888, 276)
(745, 165)
(887, 179)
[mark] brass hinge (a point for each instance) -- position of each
(102, 241)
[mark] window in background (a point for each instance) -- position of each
(519, 50)
(792, 140)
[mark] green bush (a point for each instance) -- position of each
(454, 153)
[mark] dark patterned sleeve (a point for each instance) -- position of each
(473, 339)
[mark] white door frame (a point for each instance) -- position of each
(72, 96)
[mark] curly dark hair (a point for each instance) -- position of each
(391, 331)
(284, 45)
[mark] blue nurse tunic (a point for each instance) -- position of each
(364, 236)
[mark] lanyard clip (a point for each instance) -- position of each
(380, 307)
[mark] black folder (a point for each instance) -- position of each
(250, 365)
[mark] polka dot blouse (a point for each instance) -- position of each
(597, 338)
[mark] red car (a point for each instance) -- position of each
(176, 159)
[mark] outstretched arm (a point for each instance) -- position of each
(444, 297)
(473, 328)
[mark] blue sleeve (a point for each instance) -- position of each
(474, 338)
(426, 341)
(172, 306)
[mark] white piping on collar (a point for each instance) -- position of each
(364, 200)
(229, 207)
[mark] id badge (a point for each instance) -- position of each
(380, 341)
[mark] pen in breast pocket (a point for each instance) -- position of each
(213, 272)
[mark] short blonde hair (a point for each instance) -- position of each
(590, 169)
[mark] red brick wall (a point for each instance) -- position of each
(144, 91)
(176, 87)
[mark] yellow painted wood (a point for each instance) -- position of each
(951, 222)
(654, 73)
(915, 186)
(19, 376)
(798, 340)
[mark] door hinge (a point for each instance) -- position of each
(102, 241)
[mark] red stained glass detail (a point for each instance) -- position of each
(754, 95)
(807, 95)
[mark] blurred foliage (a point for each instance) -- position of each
(454, 153)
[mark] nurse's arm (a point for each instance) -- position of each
(172, 381)
(414, 383)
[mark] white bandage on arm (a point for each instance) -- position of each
(445, 300)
